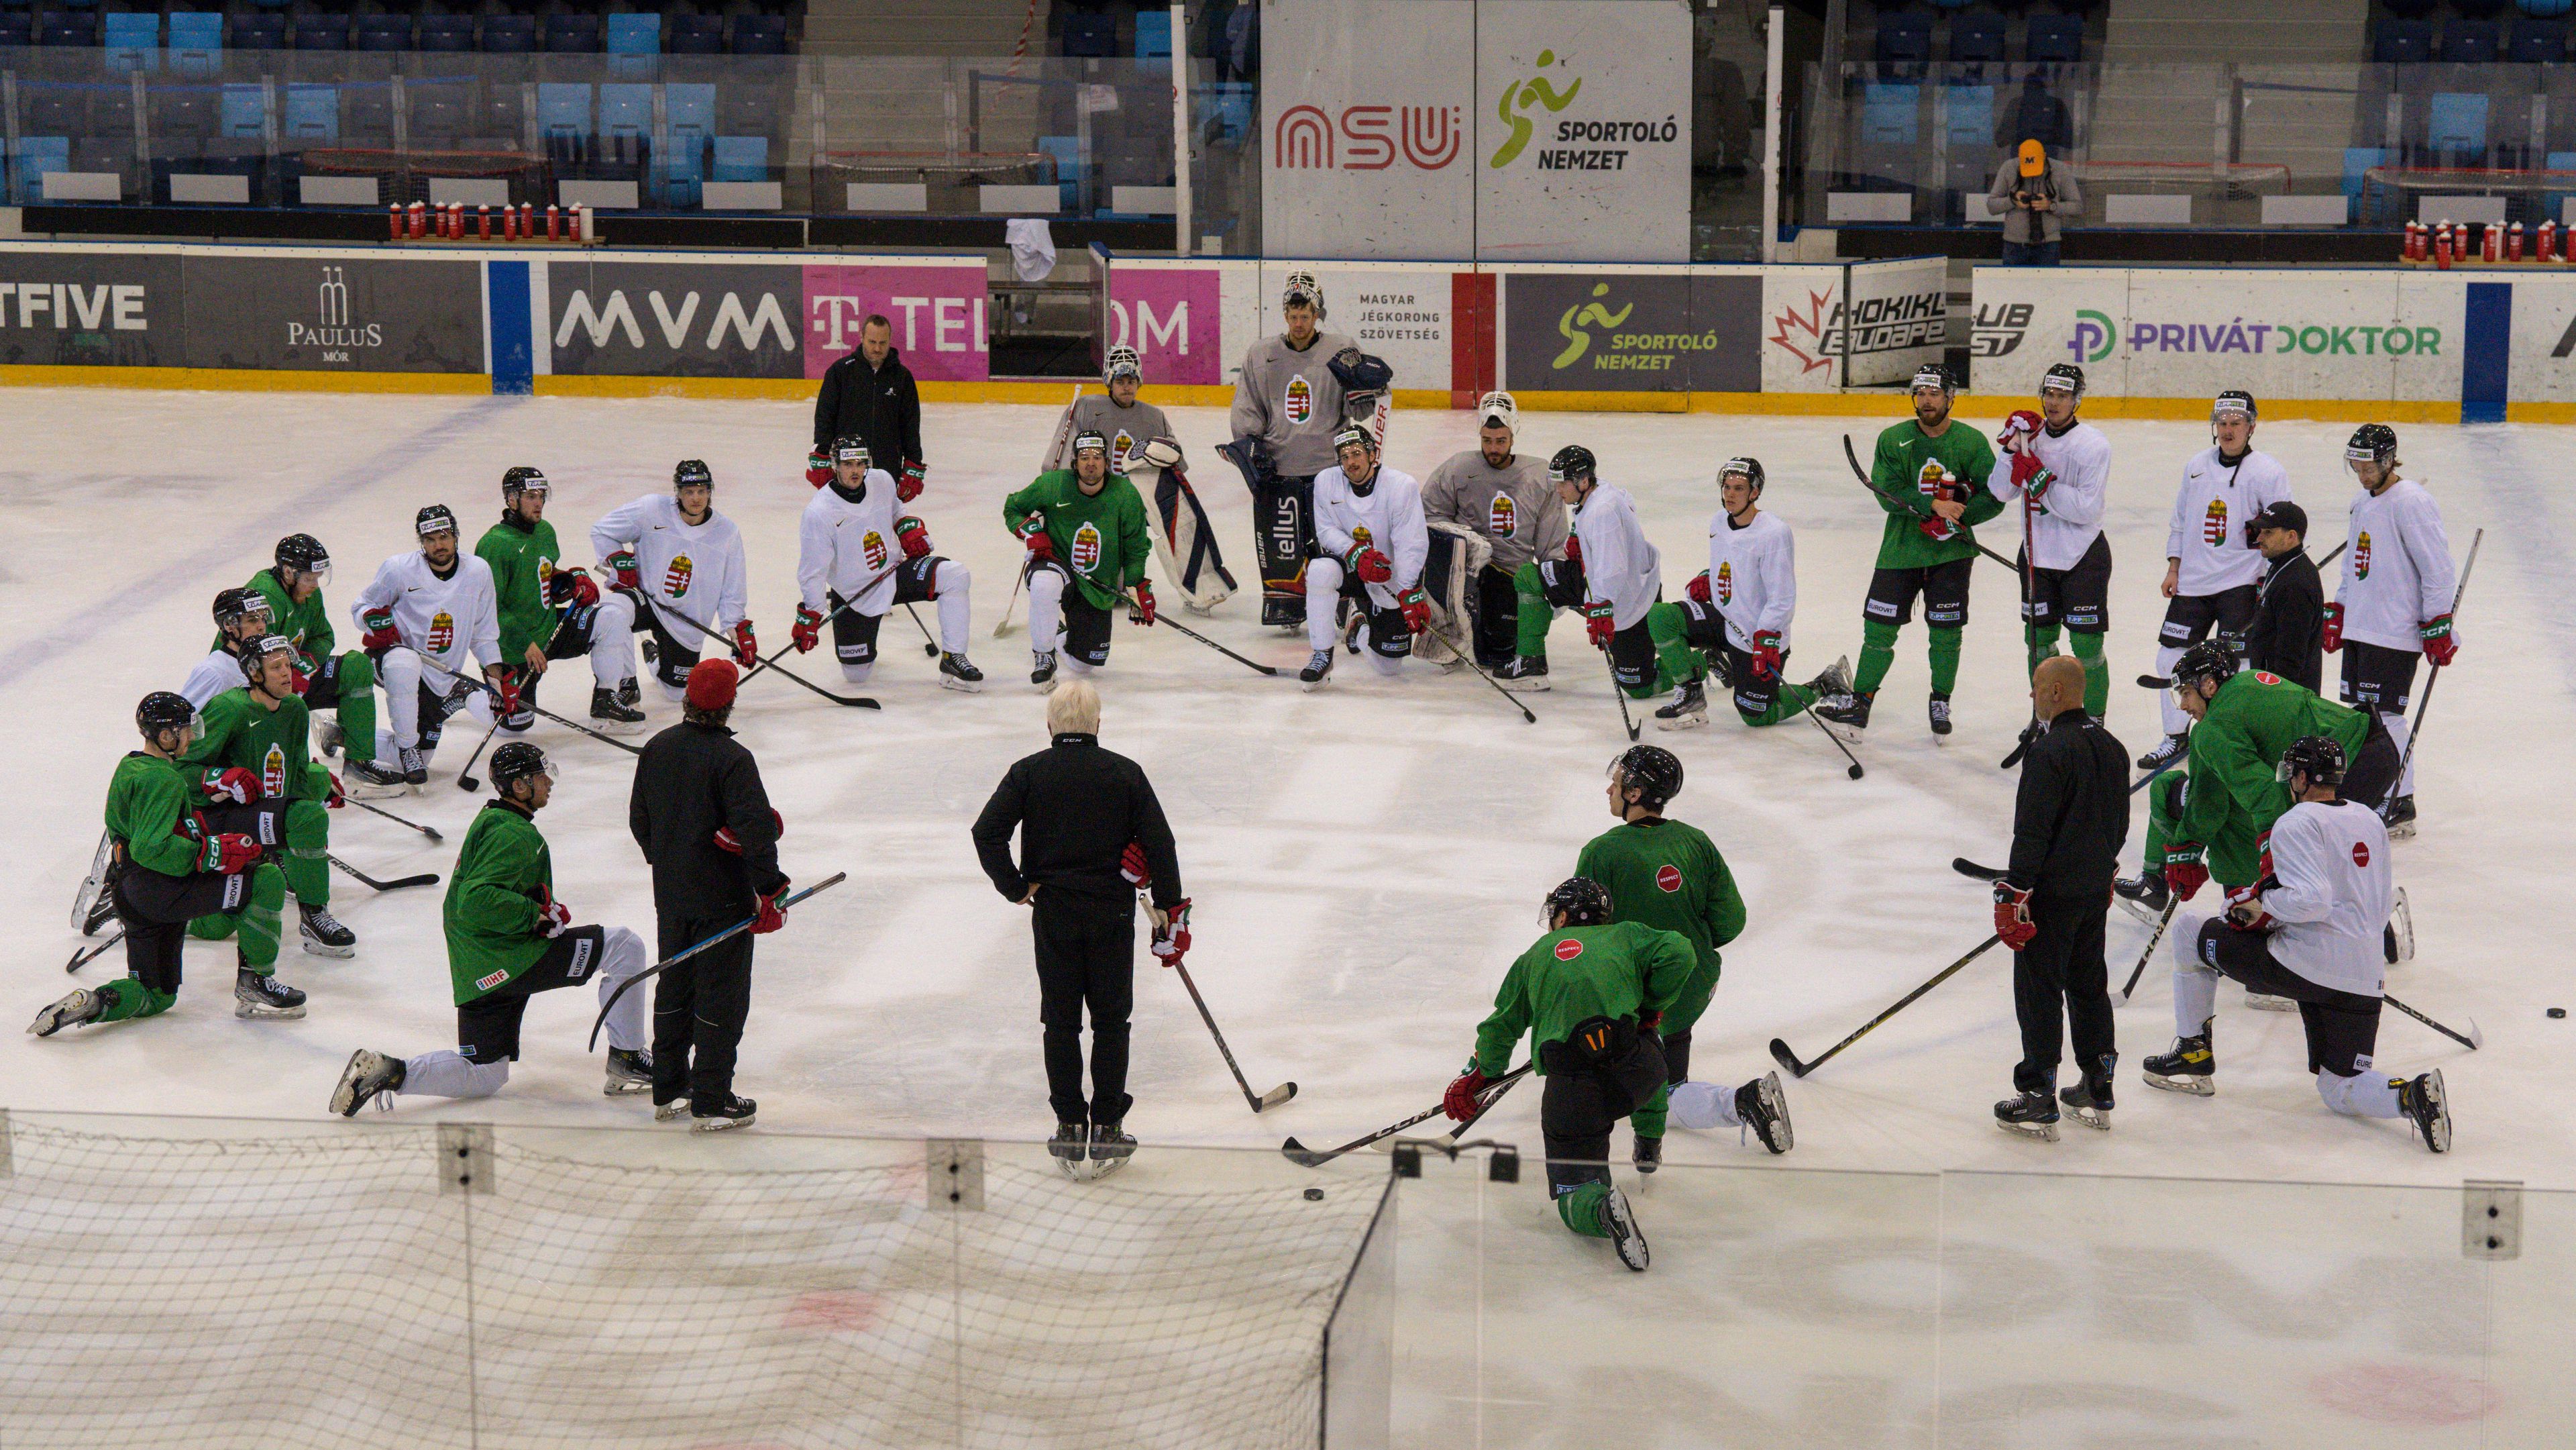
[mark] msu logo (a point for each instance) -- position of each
(872, 546)
(675, 580)
(1300, 402)
(2213, 524)
(1722, 583)
(1503, 517)
(272, 773)
(442, 632)
(1086, 548)
(2361, 556)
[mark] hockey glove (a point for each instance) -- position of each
(336, 799)
(2033, 478)
(229, 854)
(1459, 1102)
(1172, 933)
(297, 680)
(572, 588)
(381, 634)
(2440, 645)
(552, 915)
(1937, 529)
(2334, 628)
(912, 535)
(746, 649)
(772, 915)
(818, 468)
(1140, 608)
(807, 631)
(1365, 560)
(621, 570)
(1766, 654)
(2245, 909)
(1416, 608)
(2185, 871)
(232, 784)
(1032, 532)
(1650, 1021)
(2012, 916)
(1598, 624)
(2020, 426)
(908, 480)
(731, 844)
(1698, 588)
(1160, 452)
(1574, 549)
(1132, 867)
(505, 693)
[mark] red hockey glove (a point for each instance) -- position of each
(2019, 427)
(505, 692)
(2032, 477)
(2440, 645)
(297, 680)
(2185, 871)
(731, 844)
(746, 649)
(1937, 528)
(2012, 916)
(621, 570)
(909, 532)
(1131, 865)
(807, 631)
(1698, 588)
(907, 483)
(1372, 566)
(772, 914)
(1459, 1102)
(1574, 549)
(229, 854)
(1598, 624)
(552, 915)
(2245, 909)
(1766, 654)
(1172, 933)
(1416, 607)
(2334, 628)
(573, 588)
(336, 799)
(818, 468)
(1032, 532)
(381, 634)
(232, 784)
(1142, 610)
(1650, 1020)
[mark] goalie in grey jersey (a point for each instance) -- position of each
(1490, 511)
(1143, 446)
(1291, 398)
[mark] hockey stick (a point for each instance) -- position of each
(2140, 970)
(1866, 482)
(780, 653)
(860, 702)
(465, 780)
(1968, 868)
(1468, 658)
(1620, 694)
(2029, 632)
(1046, 464)
(93, 885)
(1781, 1054)
(542, 712)
(1484, 1104)
(2415, 734)
(397, 820)
(929, 645)
(1305, 1157)
(735, 930)
(1186, 631)
(86, 955)
(426, 878)
(1855, 772)
(1257, 1101)
(2473, 1041)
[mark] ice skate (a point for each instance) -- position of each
(1648, 1155)
(1318, 671)
(328, 736)
(323, 935)
(628, 1072)
(103, 910)
(956, 672)
(2089, 1101)
(613, 715)
(1110, 1149)
(2190, 1068)
(630, 693)
(2143, 896)
(2396, 939)
(2167, 751)
(1763, 1107)
(370, 1077)
(1620, 1222)
(1848, 711)
(1526, 674)
(1071, 1147)
(415, 766)
(1688, 711)
(2401, 818)
(2424, 1103)
(672, 1111)
(1938, 709)
(369, 780)
(258, 996)
(1835, 682)
(79, 1009)
(1042, 669)
(2031, 1114)
(722, 1113)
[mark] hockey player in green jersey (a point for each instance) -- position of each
(1929, 474)
(262, 728)
(1665, 874)
(344, 682)
(176, 858)
(1085, 532)
(552, 613)
(507, 940)
(1588, 993)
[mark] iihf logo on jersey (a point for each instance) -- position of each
(1568, 949)
(442, 632)
(675, 580)
(1669, 878)
(1503, 517)
(873, 545)
(2361, 556)
(1722, 583)
(1086, 548)
(2213, 524)
(1300, 400)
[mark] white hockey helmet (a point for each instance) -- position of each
(1497, 410)
(1122, 363)
(1302, 287)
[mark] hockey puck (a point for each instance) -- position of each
(1316, 1195)
(2557, 1011)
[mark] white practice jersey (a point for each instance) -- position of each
(2334, 894)
(842, 545)
(2208, 530)
(211, 676)
(1128, 429)
(1619, 563)
(2396, 567)
(1753, 576)
(440, 620)
(1389, 517)
(695, 568)
(2069, 517)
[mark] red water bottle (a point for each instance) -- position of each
(554, 223)
(2513, 242)
(2545, 245)
(394, 218)
(482, 222)
(2490, 241)
(419, 221)
(2442, 246)
(2414, 247)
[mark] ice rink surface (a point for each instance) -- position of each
(1365, 860)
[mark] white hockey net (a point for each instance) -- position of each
(282, 1287)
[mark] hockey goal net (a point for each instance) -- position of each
(472, 178)
(2397, 194)
(947, 181)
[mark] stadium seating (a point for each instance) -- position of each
(2402, 42)
(2470, 42)
(1977, 36)
(2530, 41)
(2058, 38)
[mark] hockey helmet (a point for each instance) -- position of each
(1751, 468)
(692, 473)
(256, 653)
(1354, 435)
(851, 448)
(1653, 772)
(1122, 363)
(303, 554)
(163, 710)
(1584, 901)
(438, 518)
(2372, 443)
(1301, 287)
(2208, 660)
(2233, 400)
(233, 606)
(2314, 756)
(1935, 376)
(1090, 441)
(517, 761)
(523, 479)
(1573, 461)
(2063, 378)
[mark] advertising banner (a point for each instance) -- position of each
(937, 309)
(1171, 313)
(91, 308)
(675, 319)
(2542, 364)
(1896, 319)
(1401, 314)
(333, 312)
(1583, 130)
(1365, 116)
(1636, 332)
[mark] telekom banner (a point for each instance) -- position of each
(936, 309)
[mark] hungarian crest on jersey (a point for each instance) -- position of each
(872, 547)
(1300, 402)
(2213, 524)
(1086, 547)
(675, 580)
(1503, 516)
(1120, 446)
(1360, 535)
(1722, 583)
(545, 573)
(2361, 555)
(442, 632)
(272, 773)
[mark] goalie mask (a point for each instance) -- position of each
(1302, 288)
(1123, 363)
(1497, 410)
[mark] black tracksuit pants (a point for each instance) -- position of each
(2061, 976)
(699, 1007)
(1086, 948)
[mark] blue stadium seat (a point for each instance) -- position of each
(243, 113)
(509, 34)
(1067, 151)
(1090, 34)
(695, 35)
(196, 42)
(35, 156)
(634, 33)
(741, 158)
(1977, 36)
(2547, 9)
(626, 126)
(73, 29)
(760, 35)
(2535, 42)
(563, 121)
(447, 33)
(1890, 113)
(1153, 35)
(2403, 42)
(312, 113)
(383, 32)
(2470, 42)
(2456, 122)
(1903, 38)
(131, 40)
(569, 34)
(688, 122)
(2054, 38)
(321, 32)
(260, 30)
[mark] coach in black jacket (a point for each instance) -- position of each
(2069, 819)
(870, 395)
(707, 829)
(1077, 807)
(2288, 635)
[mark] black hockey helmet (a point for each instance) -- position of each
(2208, 660)
(851, 448)
(1354, 435)
(438, 518)
(1090, 440)
(1751, 468)
(1653, 772)
(1584, 901)
(303, 554)
(232, 606)
(522, 478)
(2232, 400)
(2063, 378)
(162, 710)
(515, 762)
(2314, 756)
(692, 473)
(256, 653)
(1933, 375)
(2372, 443)
(1573, 461)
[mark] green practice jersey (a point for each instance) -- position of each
(1669, 875)
(492, 911)
(306, 626)
(523, 563)
(2236, 746)
(150, 808)
(1897, 471)
(271, 744)
(1568, 977)
(1099, 537)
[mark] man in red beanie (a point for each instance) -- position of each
(707, 830)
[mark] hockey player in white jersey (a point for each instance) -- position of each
(1610, 571)
(1737, 613)
(853, 546)
(2060, 468)
(241, 620)
(1370, 543)
(2213, 567)
(2310, 929)
(677, 555)
(420, 618)
(2394, 599)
